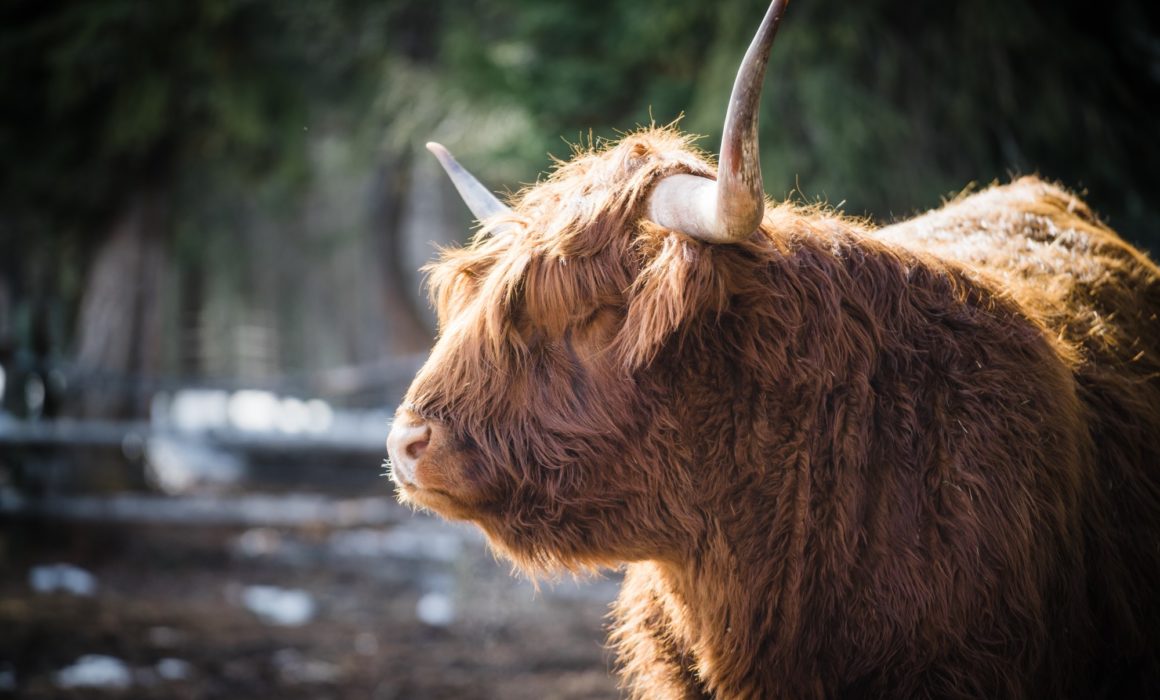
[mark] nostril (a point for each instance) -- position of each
(415, 449)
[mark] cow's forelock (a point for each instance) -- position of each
(561, 278)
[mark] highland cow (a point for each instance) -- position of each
(921, 461)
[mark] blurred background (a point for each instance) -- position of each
(212, 216)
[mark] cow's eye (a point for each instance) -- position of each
(594, 334)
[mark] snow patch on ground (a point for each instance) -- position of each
(95, 671)
(436, 609)
(58, 578)
(279, 606)
(170, 669)
(100, 671)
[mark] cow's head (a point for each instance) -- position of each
(542, 413)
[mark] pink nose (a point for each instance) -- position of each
(405, 445)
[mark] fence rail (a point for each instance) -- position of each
(366, 435)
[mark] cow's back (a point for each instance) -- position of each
(1044, 247)
(1098, 299)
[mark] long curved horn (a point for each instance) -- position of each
(730, 208)
(482, 203)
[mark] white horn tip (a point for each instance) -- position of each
(478, 198)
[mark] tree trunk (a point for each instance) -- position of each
(120, 320)
(407, 329)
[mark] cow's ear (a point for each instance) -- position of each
(677, 283)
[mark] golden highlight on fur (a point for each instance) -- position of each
(921, 461)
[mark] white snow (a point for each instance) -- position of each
(253, 410)
(279, 606)
(194, 410)
(95, 671)
(53, 578)
(171, 669)
(178, 465)
(258, 542)
(436, 609)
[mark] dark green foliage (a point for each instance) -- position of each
(885, 105)
(925, 98)
(580, 65)
(101, 98)
(116, 94)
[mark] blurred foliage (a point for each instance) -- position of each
(882, 107)
(576, 65)
(886, 105)
(103, 97)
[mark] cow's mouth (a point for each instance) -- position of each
(436, 500)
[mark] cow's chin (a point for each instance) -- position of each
(437, 501)
(434, 487)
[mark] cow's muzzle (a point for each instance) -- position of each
(409, 438)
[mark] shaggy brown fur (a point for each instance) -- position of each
(915, 462)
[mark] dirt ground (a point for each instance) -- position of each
(409, 608)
